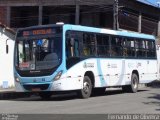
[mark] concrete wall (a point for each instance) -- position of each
(6, 60)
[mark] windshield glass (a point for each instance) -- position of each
(38, 54)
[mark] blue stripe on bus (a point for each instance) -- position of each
(99, 68)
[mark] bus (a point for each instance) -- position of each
(86, 60)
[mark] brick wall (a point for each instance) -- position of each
(3, 14)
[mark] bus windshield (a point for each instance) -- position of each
(38, 51)
(39, 54)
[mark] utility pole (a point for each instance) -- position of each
(40, 16)
(140, 23)
(115, 15)
(77, 14)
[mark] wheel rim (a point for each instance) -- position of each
(135, 85)
(86, 87)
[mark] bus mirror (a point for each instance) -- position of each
(7, 49)
(72, 41)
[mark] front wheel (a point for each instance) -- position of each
(86, 91)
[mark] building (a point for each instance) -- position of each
(133, 15)
(7, 37)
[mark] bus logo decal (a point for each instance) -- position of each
(88, 65)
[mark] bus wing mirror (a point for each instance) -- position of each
(7, 49)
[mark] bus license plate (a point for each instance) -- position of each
(36, 89)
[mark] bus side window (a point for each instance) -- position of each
(89, 44)
(76, 48)
(86, 51)
(67, 48)
(72, 49)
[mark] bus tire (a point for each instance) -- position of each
(45, 95)
(87, 88)
(133, 88)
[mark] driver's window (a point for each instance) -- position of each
(72, 44)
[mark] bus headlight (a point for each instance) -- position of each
(58, 75)
(17, 79)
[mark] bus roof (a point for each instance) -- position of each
(108, 31)
(96, 30)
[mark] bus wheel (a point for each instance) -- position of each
(134, 84)
(87, 88)
(45, 95)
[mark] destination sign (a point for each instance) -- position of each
(38, 32)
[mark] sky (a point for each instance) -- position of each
(155, 3)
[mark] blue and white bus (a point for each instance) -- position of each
(83, 59)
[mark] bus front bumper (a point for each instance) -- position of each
(59, 85)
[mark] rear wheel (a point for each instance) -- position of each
(134, 84)
(87, 88)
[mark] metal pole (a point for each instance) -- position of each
(115, 15)
(140, 23)
(77, 14)
(40, 15)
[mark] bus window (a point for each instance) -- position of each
(72, 48)
(129, 47)
(150, 48)
(102, 45)
(142, 49)
(73, 41)
(89, 44)
(116, 46)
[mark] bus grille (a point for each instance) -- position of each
(31, 87)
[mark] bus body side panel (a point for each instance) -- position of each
(147, 70)
(75, 75)
(113, 71)
(152, 71)
(107, 72)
